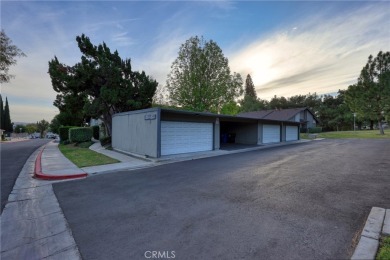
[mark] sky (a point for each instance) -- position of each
(288, 47)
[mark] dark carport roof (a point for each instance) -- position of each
(282, 114)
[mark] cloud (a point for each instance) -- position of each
(121, 39)
(32, 113)
(319, 54)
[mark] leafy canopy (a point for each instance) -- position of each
(370, 96)
(8, 54)
(100, 85)
(200, 77)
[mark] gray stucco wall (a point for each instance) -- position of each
(310, 119)
(259, 133)
(136, 132)
(283, 133)
(217, 128)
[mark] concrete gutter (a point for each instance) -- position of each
(58, 176)
(378, 222)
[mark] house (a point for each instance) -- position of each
(157, 132)
(303, 115)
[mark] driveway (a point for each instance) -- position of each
(305, 201)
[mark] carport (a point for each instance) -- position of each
(157, 132)
(237, 132)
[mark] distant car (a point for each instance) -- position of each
(51, 136)
(35, 136)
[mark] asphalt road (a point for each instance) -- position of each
(305, 201)
(13, 157)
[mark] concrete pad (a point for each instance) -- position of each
(43, 248)
(30, 193)
(70, 253)
(366, 249)
(30, 209)
(386, 224)
(115, 155)
(55, 163)
(373, 226)
(116, 166)
(25, 231)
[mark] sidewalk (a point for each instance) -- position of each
(33, 225)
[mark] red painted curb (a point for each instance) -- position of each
(43, 176)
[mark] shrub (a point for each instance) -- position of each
(313, 130)
(80, 134)
(64, 133)
(96, 130)
(105, 140)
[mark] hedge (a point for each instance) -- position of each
(64, 133)
(96, 130)
(80, 134)
(313, 130)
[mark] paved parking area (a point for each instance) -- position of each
(304, 201)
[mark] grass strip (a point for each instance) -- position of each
(84, 157)
(360, 134)
(384, 249)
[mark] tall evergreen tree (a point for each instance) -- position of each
(250, 102)
(1, 113)
(250, 87)
(7, 118)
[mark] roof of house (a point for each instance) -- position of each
(282, 114)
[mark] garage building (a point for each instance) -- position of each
(157, 132)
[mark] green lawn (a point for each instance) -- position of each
(384, 249)
(352, 134)
(84, 157)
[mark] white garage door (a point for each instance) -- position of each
(271, 134)
(185, 137)
(291, 133)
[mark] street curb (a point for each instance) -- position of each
(369, 240)
(44, 176)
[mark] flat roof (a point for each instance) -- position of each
(222, 117)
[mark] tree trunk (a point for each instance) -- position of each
(380, 127)
(107, 118)
(371, 124)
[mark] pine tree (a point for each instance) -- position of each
(7, 118)
(1, 113)
(250, 87)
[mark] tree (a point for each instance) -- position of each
(335, 114)
(2, 124)
(7, 118)
(31, 128)
(42, 126)
(71, 98)
(55, 124)
(20, 129)
(250, 87)
(230, 108)
(200, 77)
(370, 96)
(250, 102)
(8, 54)
(102, 82)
